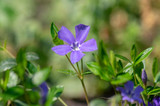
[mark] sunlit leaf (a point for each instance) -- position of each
(12, 93)
(7, 64)
(31, 56)
(155, 91)
(54, 34)
(121, 78)
(53, 95)
(155, 67)
(122, 57)
(133, 52)
(128, 68)
(31, 67)
(98, 102)
(143, 55)
(157, 77)
(97, 70)
(41, 76)
(13, 79)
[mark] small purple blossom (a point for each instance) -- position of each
(75, 45)
(156, 101)
(44, 92)
(144, 77)
(129, 93)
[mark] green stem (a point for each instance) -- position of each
(62, 101)
(85, 91)
(73, 66)
(78, 68)
(82, 65)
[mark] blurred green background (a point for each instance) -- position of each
(119, 23)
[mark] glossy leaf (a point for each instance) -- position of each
(139, 80)
(155, 91)
(7, 64)
(122, 57)
(21, 63)
(97, 70)
(144, 54)
(13, 79)
(98, 102)
(31, 68)
(155, 67)
(12, 93)
(133, 52)
(31, 56)
(128, 68)
(54, 34)
(53, 95)
(157, 78)
(68, 72)
(121, 78)
(41, 76)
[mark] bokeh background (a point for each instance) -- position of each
(119, 23)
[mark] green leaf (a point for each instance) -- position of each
(121, 78)
(68, 72)
(122, 57)
(155, 67)
(128, 68)
(41, 76)
(119, 66)
(53, 95)
(140, 81)
(157, 77)
(103, 58)
(86, 73)
(5, 44)
(143, 55)
(21, 63)
(155, 91)
(133, 52)
(31, 67)
(31, 56)
(7, 64)
(1, 48)
(98, 102)
(113, 60)
(13, 79)
(54, 34)
(12, 93)
(20, 103)
(97, 70)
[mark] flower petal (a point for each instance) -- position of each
(89, 46)
(44, 92)
(81, 32)
(138, 90)
(65, 35)
(62, 49)
(76, 56)
(129, 85)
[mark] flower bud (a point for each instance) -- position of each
(144, 77)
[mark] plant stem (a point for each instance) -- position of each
(82, 65)
(73, 66)
(62, 101)
(9, 53)
(78, 68)
(85, 91)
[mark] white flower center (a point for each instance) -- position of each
(75, 46)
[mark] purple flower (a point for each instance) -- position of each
(44, 92)
(156, 101)
(75, 45)
(129, 93)
(144, 77)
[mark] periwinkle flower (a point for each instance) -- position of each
(144, 77)
(129, 93)
(44, 92)
(156, 101)
(75, 45)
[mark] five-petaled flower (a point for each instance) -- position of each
(75, 45)
(129, 93)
